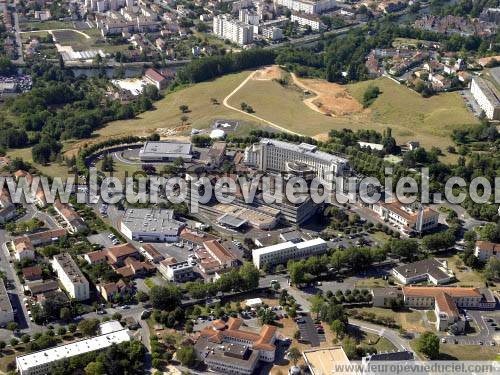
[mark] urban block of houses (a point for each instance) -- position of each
(71, 277)
(407, 218)
(445, 301)
(24, 246)
(74, 223)
(124, 259)
(484, 250)
(151, 253)
(194, 238)
(226, 348)
(32, 273)
(110, 290)
(428, 270)
(214, 258)
(39, 287)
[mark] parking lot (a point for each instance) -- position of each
(101, 239)
(309, 331)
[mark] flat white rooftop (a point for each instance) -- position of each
(288, 245)
(165, 149)
(25, 362)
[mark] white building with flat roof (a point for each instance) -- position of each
(274, 155)
(40, 362)
(487, 97)
(236, 31)
(71, 277)
(307, 6)
(307, 19)
(176, 271)
(283, 252)
(150, 225)
(165, 151)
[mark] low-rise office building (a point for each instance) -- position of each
(40, 362)
(71, 277)
(283, 252)
(159, 151)
(427, 270)
(150, 225)
(176, 271)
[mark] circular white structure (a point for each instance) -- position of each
(217, 134)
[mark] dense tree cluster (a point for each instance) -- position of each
(121, 359)
(243, 278)
(210, 67)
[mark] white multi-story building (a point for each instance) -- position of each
(307, 6)
(149, 224)
(272, 33)
(71, 277)
(274, 155)
(40, 362)
(487, 97)
(283, 252)
(176, 271)
(249, 17)
(6, 310)
(234, 30)
(307, 19)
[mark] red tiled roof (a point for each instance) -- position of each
(154, 75)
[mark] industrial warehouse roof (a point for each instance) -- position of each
(231, 221)
(149, 220)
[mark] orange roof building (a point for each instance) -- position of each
(230, 333)
(446, 302)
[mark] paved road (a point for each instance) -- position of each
(400, 342)
(315, 37)
(20, 59)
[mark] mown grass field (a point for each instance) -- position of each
(167, 114)
(411, 117)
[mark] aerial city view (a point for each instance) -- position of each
(243, 187)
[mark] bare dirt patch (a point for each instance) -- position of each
(268, 73)
(329, 98)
